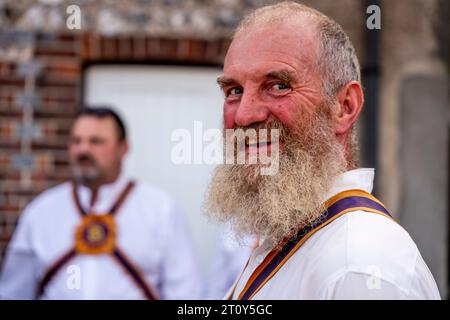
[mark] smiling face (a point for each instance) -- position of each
(269, 82)
(270, 76)
(291, 68)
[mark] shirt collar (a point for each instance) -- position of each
(106, 194)
(361, 178)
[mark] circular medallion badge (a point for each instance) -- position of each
(96, 234)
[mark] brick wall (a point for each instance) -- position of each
(58, 86)
(157, 31)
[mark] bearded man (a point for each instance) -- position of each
(322, 234)
(100, 235)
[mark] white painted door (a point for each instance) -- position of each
(154, 101)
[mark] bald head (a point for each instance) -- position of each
(280, 13)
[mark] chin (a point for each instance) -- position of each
(85, 176)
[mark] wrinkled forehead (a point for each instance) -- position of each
(294, 43)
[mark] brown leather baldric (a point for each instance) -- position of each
(95, 227)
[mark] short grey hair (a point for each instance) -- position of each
(336, 61)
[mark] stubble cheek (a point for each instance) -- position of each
(300, 107)
(286, 111)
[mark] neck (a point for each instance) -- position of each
(351, 155)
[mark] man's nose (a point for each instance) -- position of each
(252, 109)
(82, 147)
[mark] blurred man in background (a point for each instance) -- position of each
(101, 236)
(323, 235)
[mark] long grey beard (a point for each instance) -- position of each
(273, 207)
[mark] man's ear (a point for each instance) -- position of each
(123, 148)
(350, 100)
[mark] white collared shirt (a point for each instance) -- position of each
(150, 231)
(360, 255)
(230, 256)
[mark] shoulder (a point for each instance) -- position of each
(51, 197)
(375, 238)
(152, 192)
(367, 244)
(159, 208)
(41, 209)
(379, 245)
(154, 198)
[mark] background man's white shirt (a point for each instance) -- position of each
(150, 231)
(360, 255)
(231, 255)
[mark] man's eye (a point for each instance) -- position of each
(235, 91)
(96, 141)
(280, 87)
